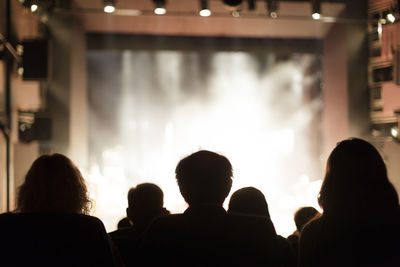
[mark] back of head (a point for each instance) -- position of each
(145, 202)
(204, 177)
(356, 181)
(303, 216)
(249, 200)
(53, 184)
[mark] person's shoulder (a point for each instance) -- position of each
(312, 226)
(120, 233)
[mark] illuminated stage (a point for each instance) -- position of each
(151, 107)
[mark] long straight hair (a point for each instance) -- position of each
(356, 181)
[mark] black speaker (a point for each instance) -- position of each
(35, 59)
(33, 127)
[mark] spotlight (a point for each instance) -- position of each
(394, 132)
(159, 8)
(34, 8)
(316, 16)
(316, 9)
(272, 6)
(109, 6)
(204, 10)
(390, 17)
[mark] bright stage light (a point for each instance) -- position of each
(109, 9)
(109, 6)
(204, 10)
(34, 8)
(391, 18)
(160, 11)
(205, 13)
(394, 132)
(159, 7)
(252, 113)
(316, 16)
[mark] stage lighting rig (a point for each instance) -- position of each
(159, 7)
(316, 9)
(109, 6)
(204, 10)
(272, 7)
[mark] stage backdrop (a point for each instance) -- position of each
(152, 104)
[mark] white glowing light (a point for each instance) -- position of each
(380, 29)
(391, 18)
(34, 8)
(247, 116)
(109, 8)
(316, 16)
(273, 15)
(205, 13)
(160, 11)
(394, 131)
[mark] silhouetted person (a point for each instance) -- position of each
(251, 201)
(360, 221)
(49, 227)
(53, 184)
(205, 234)
(124, 223)
(302, 216)
(145, 202)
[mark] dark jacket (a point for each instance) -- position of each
(53, 239)
(368, 241)
(208, 236)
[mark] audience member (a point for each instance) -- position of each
(53, 184)
(124, 223)
(251, 201)
(49, 227)
(301, 218)
(205, 234)
(360, 221)
(145, 202)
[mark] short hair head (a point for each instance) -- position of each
(303, 216)
(145, 201)
(53, 184)
(204, 177)
(356, 180)
(250, 201)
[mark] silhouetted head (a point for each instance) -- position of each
(53, 184)
(303, 216)
(356, 181)
(204, 177)
(250, 201)
(124, 223)
(145, 202)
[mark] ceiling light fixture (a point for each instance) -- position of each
(204, 10)
(109, 6)
(159, 7)
(272, 7)
(316, 9)
(390, 17)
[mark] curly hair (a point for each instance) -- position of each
(53, 184)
